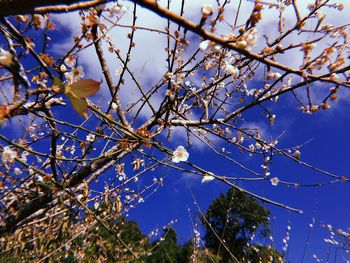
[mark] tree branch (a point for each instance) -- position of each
(17, 7)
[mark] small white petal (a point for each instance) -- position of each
(231, 70)
(204, 45)
(207, 10)
(207, 178)
(274, 181)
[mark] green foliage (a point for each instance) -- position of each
(8, 259)
(169, 250)
(234, 217)
(114, 248)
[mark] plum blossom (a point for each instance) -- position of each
(248, 39)
(274, 181)
(70, 61)
(207, 10)
(241, 44)
(207, 178)
(8, 154)
(231, 70)
(114, 106)
(75, 75)
(90, 137)
(251, 37)
(24, 156)
(63, 68)
(204, 45)
(180, 155)
(117, 9)
(119, 70)
(273, 75)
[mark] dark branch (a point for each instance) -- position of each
(17, 7)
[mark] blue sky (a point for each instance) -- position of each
(327, 149)
(325, 132)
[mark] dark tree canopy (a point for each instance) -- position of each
(234, 218)
(169, 250)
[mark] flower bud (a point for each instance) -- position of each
(207, 10)
(6, 58)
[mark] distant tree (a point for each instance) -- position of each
(168, 250)
(232, 219)
(103, 244)
(184, 252)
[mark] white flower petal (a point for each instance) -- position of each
(207, 178)
(204, 45)
(180, 155)
(274, 181)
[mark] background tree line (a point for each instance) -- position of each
(230, 224)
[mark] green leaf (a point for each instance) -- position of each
(84, 88)
(79, 105)
(58, 83)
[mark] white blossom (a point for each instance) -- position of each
(231, 70)
(207, 178)
(63, 68)
(117, 9)
(114, 106)
(204, 45)
(180, 155)
(241, 44)
(251, 37)
(41, 21)
(273, 75)
(8, 154)
(274, 181)
(75, 74)
(207, 10)
(90, 137)
(70, 61)
(118, 70)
